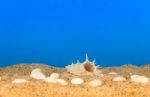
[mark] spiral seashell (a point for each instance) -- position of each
(79, 68)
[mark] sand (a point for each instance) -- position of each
(39, 88)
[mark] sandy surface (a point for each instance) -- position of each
(39, 88)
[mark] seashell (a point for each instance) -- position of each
(54, 75)
(95, 83)
(50, 80)
(119, 78)
(61, 81)
(36, 70)
(139, 79)
(88, 67)
(77, 81)
(19, 81)
(37, 74)
(76, 69)
(79, 68)
(112, 73)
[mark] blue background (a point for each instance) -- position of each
(57, 32)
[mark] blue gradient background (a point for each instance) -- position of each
(57, 32)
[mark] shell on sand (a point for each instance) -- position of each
(139, 79)
(61, 81)
(54, 75)
(80, 68)
(50, 80)
(112, 73)
(76, 69)
(37, 74)
(77, 81)
(119, 78)
(19, 81)
(57, 80)
(95, 83)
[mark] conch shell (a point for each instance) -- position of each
(81, 68)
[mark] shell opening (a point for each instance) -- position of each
(89, 67)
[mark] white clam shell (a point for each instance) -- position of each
(139, 79)
(119, 78)
(54, 75)
(95, 83)
(112, 73)
(77, 81)
(61, 81)
(50, 80)
(19, 81)
(37, 74)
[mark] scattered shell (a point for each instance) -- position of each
(112, 73)
(19, 81)
(86, 66)
(95, 83)
(37, 74)
(50, 80)
(77, 81)
(36, 70)
(54, 75)
(76, 69)
(119, 78)
(61, 81)
(139, 79)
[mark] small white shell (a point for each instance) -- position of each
(50, 80)
(112, 73)
(119, 78)
(36, 70)
(37, 74)
(54, 75)
(139, 79)
(77, 81)
(95, 83)
(61, 81)
(19, 81)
